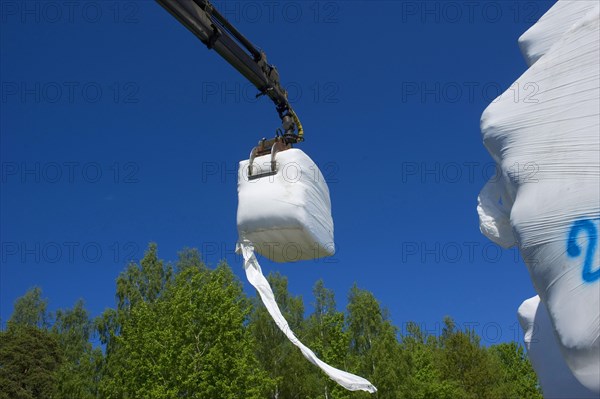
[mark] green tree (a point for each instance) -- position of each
(516, 376)
(365, 322)
(186, 339)
(374, 349)
(423, 379)
(31, 310)
(389, 368)
(465, 361)
(139, 283)
(77, 378)
(328, 339)
(29, 360)
(144, 282)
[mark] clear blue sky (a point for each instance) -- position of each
(118, 127)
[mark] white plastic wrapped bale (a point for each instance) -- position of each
(287, 217)
(547, 201)
(555, 377)
(549, 29)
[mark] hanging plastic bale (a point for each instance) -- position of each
(287, 214)
(547, 199)
(284, 214)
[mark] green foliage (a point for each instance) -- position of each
(187, 331)
(328, 338)
(140, 284)
(144, 282)
(29, 360)
(31, 310)
(365, 322)
(180, 337)
(455, 365)
(518, 380)
(374, 352)
(463, 359)
(77, 376)
(423, 379)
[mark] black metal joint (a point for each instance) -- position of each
(212, 39)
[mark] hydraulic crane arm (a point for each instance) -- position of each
(204, 21)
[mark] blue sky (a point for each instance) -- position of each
(118, 127)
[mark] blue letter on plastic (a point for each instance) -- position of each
(574, 250)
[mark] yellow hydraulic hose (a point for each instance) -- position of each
(298, 124)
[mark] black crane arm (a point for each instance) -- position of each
(213, 29)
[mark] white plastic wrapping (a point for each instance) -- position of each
(286, 216)
(493, 207)
(548, 30)
(555, 377)
(547, 146)
(257, 279)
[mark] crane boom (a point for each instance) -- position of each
(213, 29)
